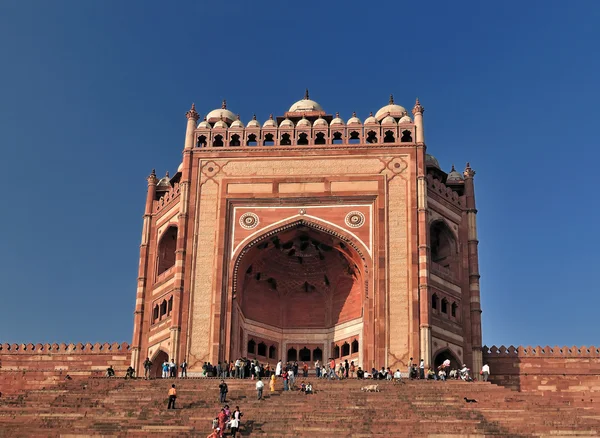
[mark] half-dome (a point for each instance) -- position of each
(454, 177)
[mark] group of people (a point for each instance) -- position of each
(445, 371)
(169, 369)
(226, 419)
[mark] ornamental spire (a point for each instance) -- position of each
(418, 108)
(353, 113)
(469, 173)
(224, 104)
(391, 99)
(192, 114)
(152, 176)
(306, 94)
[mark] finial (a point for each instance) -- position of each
(238, 116)
(337, 115)
(391, 99)
(153, 173)
(306, 94)
(270, 116)
(192, 114)
(418, 108)
(224, 104)
(254, 117)
(371, 114)
(469, 173)
(353, 113)
(167, 174)
(453, 169)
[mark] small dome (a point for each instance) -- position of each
(221, 113)
(391, 109)
(454, 177)
(164, 182)
(237, 123)
(204, 124)
(337, 121)
(305, 105)
(405, 119)
(180, 168)
(220, 124)
(389, 120)
(371, 120)
(354, 120)
(287, 123)
(303, 123)
(431, 161)
(253, 123)
(320, 122)
(270, 123)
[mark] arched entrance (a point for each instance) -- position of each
(444, 354)
(300, 289)
(159, 359)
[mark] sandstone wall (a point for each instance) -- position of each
(572, 372)
(28, 366)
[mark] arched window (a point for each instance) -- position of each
(303, 139)
(218, 140)
(166, 250)
(155, 313)
(337, 138)
(346, 349)
(354, 138)
(235, 140)
(454, 307)
(272, 352)
(317, 354)
(305, 354)
(201, 143)
(170, 306)
(434, 301)
(292, 354)
(320, 138)
(262, 349)
(406, 137)
(336, 352)
(355, 346)
(251, 140)
(371, 137)
(163, 308)
(285, 140)
(251, 346)
(444, 305)
(389, 137)
(442, 244)
(269, 141)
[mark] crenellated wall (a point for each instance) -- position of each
(572, 372)
(28, 366)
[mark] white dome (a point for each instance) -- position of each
(287, 123)
(180, 168)
(454, 177)
(270, 123)
(220, 124)
(219, 113)
(320, 122)
(337, 120)
(391, 109)
(405, 119)
(305, 105)
(354, 120)
(203, 124)
(253, 123)
(237, 124)
(371, 120)
(389, 120)
(303, 122)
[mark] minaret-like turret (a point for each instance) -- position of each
(192, 117)
(418, 111)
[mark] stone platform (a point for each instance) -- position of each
(118, 407)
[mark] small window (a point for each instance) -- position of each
(406, 137)
(218, 140)
(251, 346)
(444, 306)
(346, 349)
(251, 140)
(336, 352)
(389, 137)
(292, 354)
(262, 349)
(320, 138)
(434, 301)
(371, 137)
(163, 308)
(155, 313)
(201, 143)
(170, 306)
(305, 354)
(454, 307)
(354, 138)
(272, 352)
(235, 140)
(285, 140)
(337, 138)
(303, 139)
(317, 354)
(354, 346)
(269, 141)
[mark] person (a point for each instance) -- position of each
(352, 369)
(346, 369)
(285, 381)
(317, 369)
(398, 376)
(237, 418)
(147, 367)
(214, 433)
(308, 389)
(278, 368)
(485, 372)
(272, 385)
(110, 372)
(410, 368)
(421, 369)
(223, 391)
(259, 388)
(464, 373)
(360, 374)
(442, 375)
(129, 373)
(165, 369)
(184, 368)
(172, 397)
(304, 369)
(222, 417)
(172, 369)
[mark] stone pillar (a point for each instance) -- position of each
(142, 274)
(418, 111)
(423, 241)
(182, 234)
(474, 291)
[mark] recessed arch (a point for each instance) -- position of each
(446, 353)
(167, 245)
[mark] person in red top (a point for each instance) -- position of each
(332, 369)
(222, 419)
(305, 369)
(172, 397)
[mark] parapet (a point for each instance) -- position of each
(64, 348)
(541, 352)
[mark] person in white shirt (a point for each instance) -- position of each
(485, 372)
(398, 376)
(278, 369)
(259, 388)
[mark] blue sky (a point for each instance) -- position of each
(93, 96)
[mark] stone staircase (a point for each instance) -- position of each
(118, 407)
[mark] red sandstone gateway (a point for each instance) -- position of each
(306, 238)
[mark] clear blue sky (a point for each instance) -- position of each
(93, 96)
